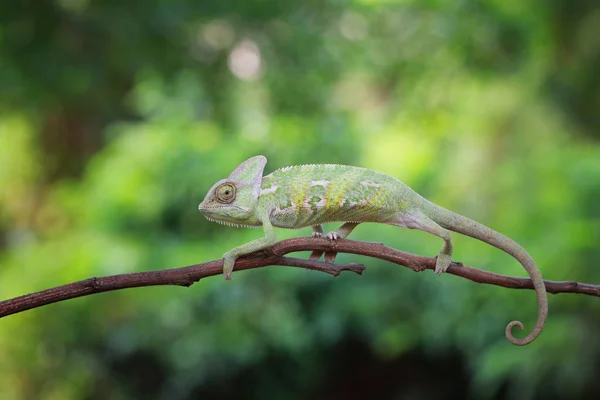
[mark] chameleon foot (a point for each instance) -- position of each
(316, 254)
(228, 263)
(333, 235)
(442, 263)
(331, 255)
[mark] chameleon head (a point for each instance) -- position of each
(232, 201)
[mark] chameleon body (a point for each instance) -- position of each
(310, 195)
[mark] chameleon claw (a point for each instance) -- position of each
(333, 235)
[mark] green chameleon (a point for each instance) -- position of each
(310, 195)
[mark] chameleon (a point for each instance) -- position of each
(310, 195)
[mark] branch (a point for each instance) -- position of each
(186, 276)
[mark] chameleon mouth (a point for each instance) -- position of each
(233, 224)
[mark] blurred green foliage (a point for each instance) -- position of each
(116, 118)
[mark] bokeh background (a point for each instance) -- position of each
(117, 117)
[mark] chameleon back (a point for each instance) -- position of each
(306, 195)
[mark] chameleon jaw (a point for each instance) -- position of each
(234, 224)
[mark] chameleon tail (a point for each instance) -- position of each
(466, 226)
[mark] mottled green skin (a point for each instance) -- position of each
(310, 195)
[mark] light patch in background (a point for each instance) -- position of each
(355, 92)
(245, 61)
(353, 26)
(218, 34)
(403, 153)
(74, 6)
(20, 169)
(253, 118)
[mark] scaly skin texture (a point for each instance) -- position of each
(311, 195)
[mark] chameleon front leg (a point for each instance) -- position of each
(262, 243)
(341, 233)
(318, 231)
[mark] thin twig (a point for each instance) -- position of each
(186, 276)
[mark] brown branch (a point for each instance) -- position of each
(186, 276)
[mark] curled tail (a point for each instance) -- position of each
(463, 225)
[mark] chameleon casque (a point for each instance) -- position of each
(310, 195)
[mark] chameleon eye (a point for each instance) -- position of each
(225, 193)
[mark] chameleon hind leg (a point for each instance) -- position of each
(424, 223)
(341, 233)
